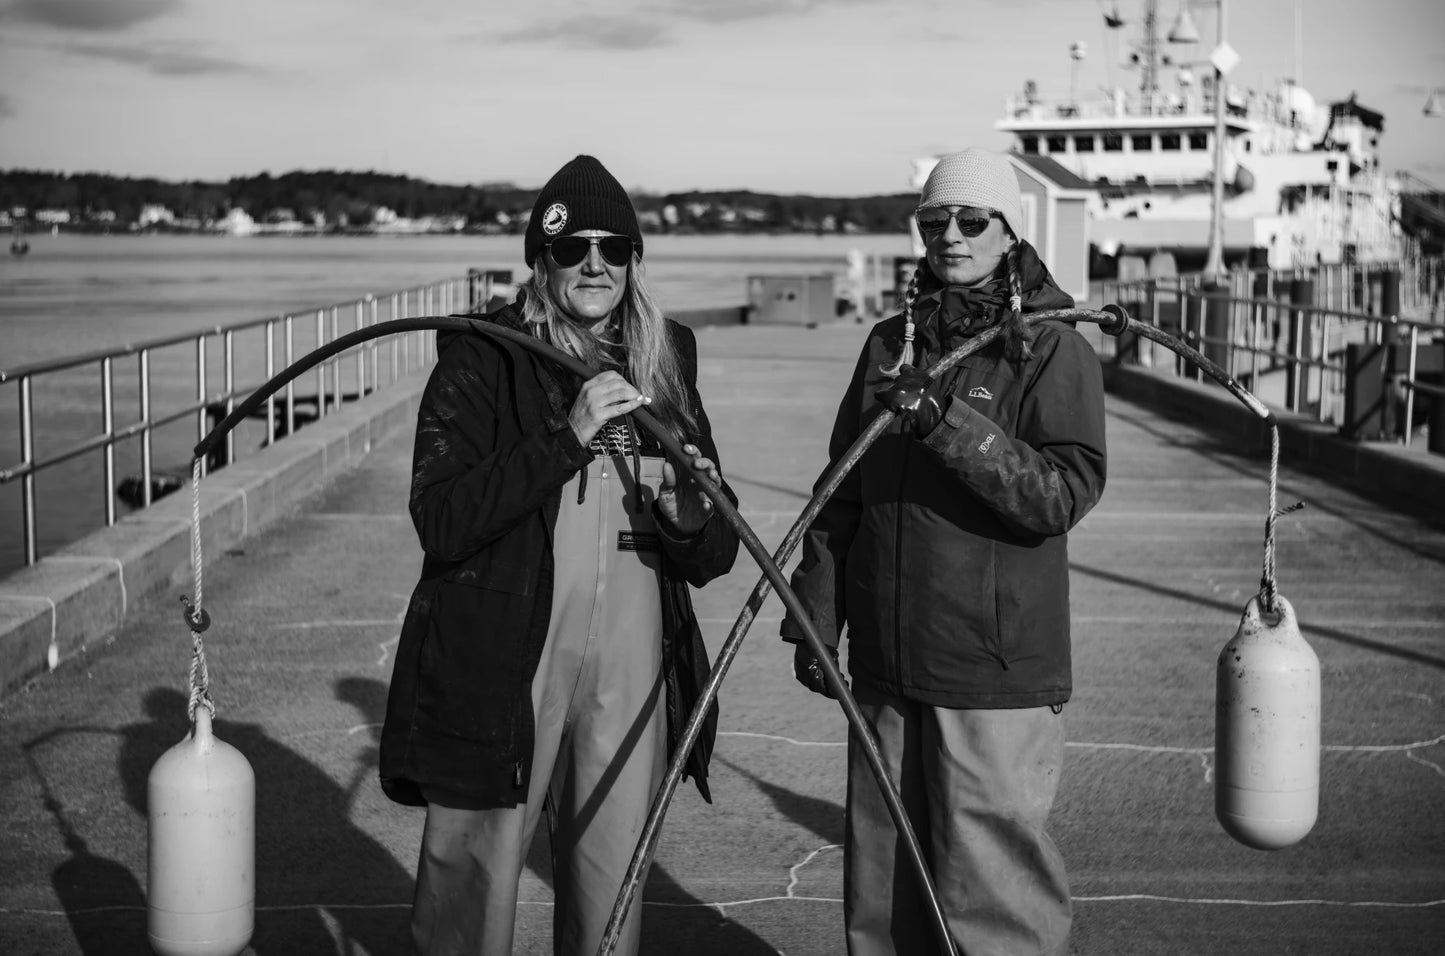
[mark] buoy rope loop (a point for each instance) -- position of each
(1267, 587)
(196, 617)
(200, 680)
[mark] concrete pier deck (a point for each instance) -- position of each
(306, 613)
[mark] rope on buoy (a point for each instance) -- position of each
(196, 617)
(1267, 588)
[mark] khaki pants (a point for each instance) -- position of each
(977, 786)
(600, 749)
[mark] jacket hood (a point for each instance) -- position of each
(1040, 290)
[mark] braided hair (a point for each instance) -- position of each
(910, 297)
(1018, 334)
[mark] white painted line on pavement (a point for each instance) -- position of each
(1203, 753)
(786, 740)
(338, 622)
(702, 904)
(1150, 897)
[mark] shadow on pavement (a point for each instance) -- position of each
(1220, 451)
(823, 817)
(102, 899)
(1354, 640)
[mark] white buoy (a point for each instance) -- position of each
(1267, 731)
(201, 807)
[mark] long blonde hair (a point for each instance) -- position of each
(1018, 334)
(653, 365)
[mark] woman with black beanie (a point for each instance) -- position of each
(550, 652)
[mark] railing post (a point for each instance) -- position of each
(1216, 326)
(270, 373)
(145, 435)
(320, 369)
(1411, 364)
(201, 393)
(290, 386)
(107, 416)
(27, 458)
(1301, 296)
(335, 363)
(1392, 336)
(394, 347)
(229, 350)
(361, 352)
(1152, 290)
(371, 346)
(406, 339)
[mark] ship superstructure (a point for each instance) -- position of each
(1302, 182)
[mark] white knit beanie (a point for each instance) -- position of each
(975, 177)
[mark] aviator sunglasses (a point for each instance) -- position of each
(931, 222)
(567, 251)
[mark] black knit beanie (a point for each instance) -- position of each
(581, 195)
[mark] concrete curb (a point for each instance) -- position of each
(1405, 478)
(78, 597)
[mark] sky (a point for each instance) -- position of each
(824, 97)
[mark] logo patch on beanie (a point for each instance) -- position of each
(554, 220)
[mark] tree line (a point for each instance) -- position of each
(346, 199)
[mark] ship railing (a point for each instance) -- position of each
(1266, 109)
(1334, 343)
(175, 401)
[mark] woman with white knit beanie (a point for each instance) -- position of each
(944, 554)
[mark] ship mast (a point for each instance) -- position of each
(1149, 58)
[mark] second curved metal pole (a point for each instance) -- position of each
(1113, 320)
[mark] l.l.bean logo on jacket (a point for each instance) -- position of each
(978, 391)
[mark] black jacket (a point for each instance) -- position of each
(493, 452)
(946, 557)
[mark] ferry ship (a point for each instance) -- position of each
(1301, 182)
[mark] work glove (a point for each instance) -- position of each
(809, 672)
(915, 397)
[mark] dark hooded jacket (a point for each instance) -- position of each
(946, 555)
(493, 452)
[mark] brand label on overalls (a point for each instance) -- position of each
(638, 541)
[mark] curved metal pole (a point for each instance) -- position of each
(725, 508)
(1112, 319)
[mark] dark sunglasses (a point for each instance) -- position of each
(931, 222)
(567, 251)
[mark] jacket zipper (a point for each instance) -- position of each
(898, 570)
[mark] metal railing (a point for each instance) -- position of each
(214, 352)
(1317, 343)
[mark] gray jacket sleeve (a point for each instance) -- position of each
(1045, 477)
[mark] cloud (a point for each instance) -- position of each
(7, 108)
(168, 60)
(601, 33)
(729, 12)
(645, 29)
(92, 14)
